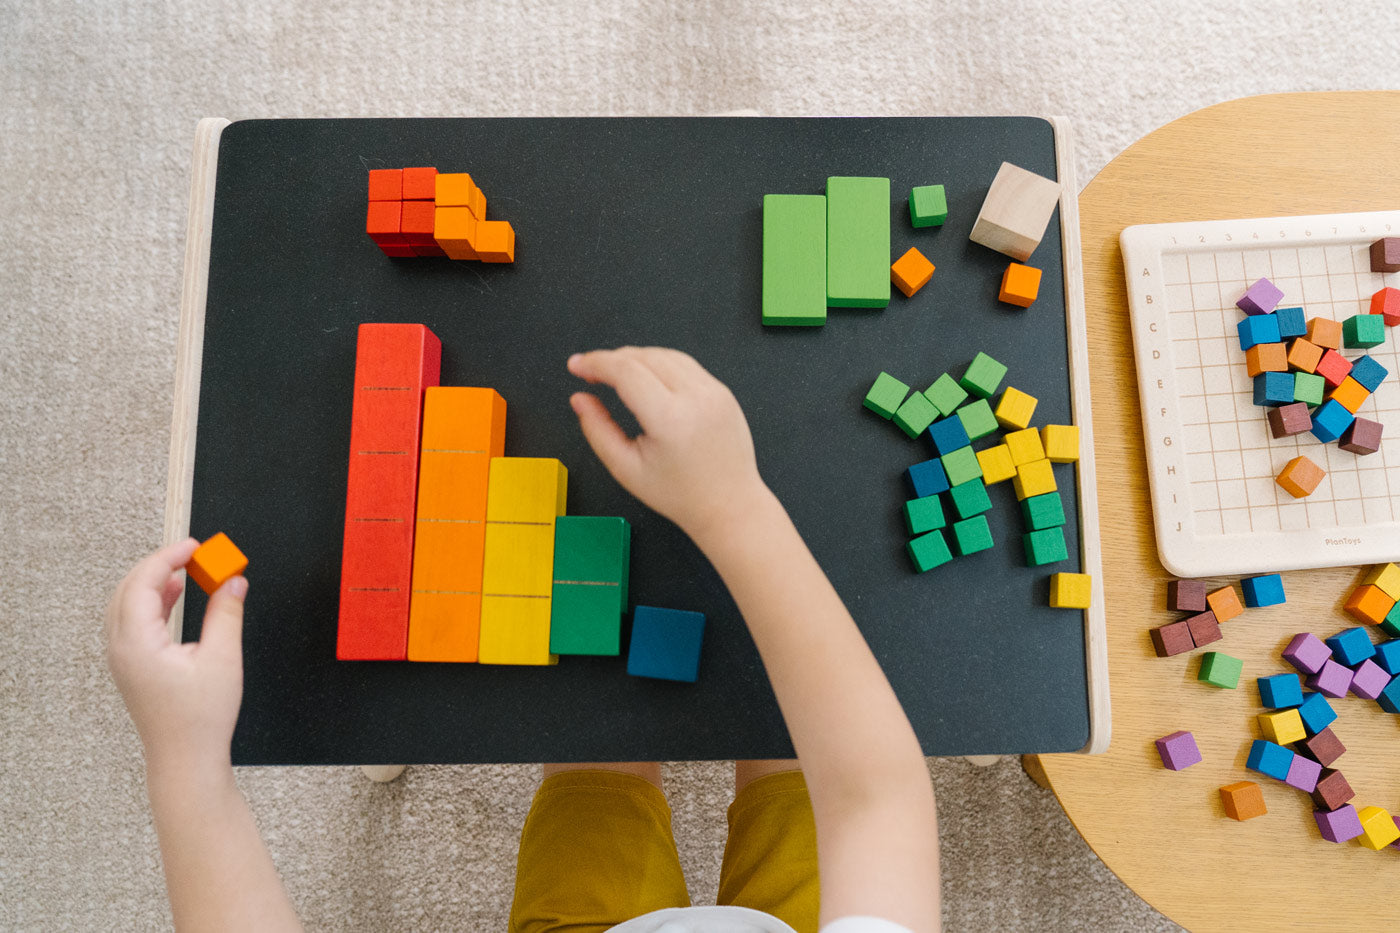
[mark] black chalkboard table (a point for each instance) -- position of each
(643, 231)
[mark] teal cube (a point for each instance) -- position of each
(1309, 387)
(915, 415)
(928, 551)
(928, 206)
(1046, 546)
(977, 418)
(1391, 623)
(983, 376)
(961, 466)
(972, 535)
(1363, 331)
(1044, 511)
(886, 395)
(1220, 670)
(946, 394)
(923, 515)
(970, 498)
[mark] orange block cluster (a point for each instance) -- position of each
(422, 212)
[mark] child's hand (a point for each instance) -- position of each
(183, 698)
(694, 460)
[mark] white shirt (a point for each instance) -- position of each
(740, 920)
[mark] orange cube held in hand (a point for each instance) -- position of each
(215, 562)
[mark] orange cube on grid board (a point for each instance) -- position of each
(1266, 358)
(1300, 477)
(419, 184)
(215, 562)
(1019, 285)
(1243, 801)
(1225, 603)
(495, 241)
(1325, 333)
(1369, 603)
(1350, 394)
(911, 272)
(386, 184)
(1304, 355)
(454, 229)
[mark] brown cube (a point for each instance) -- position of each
(1385, 254)
(1186, 596)
(1225, 603)
(1288, 420)
(1304, 355)
(1204, 629)
(1325, 333)
(1172, 639)
(1332, 790)
(1243, 801)
(1266, 358)
(1323, 748)
(1362, 437)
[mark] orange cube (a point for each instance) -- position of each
(911, 272)
(1243, 801)
(1304, 355)
(454, 229)
(495, 241)
(215, 562)
(1300, 477)
(1370, 603)
(1325, 333)
(1019, 285)
(1350, 394)
(454, 189)
(1266, 358)
(1225, 603)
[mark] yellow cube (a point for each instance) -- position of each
(1385, 576)
(1378, 830)
(515, 630)
(1025, 446)
(1071, 590)
(1015, 409)
(1061, 442)
(526, 489)
(1034, 479)
(997, 465)
(1283, 726)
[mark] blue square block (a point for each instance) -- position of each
(1265, 590)
(1317, 713)
(1388, 656)
(1390, 696)
(1368, 372)
(1330, 421)
(1351, 647)
(1291, 322)
(1273, 388)
(1280, 691)
(665, 643)
(927, 478)
(1270, 759)
(1257, 329)
(948, 435)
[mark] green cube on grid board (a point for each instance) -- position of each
(589, 595)
(915, 415)
(1043, 511)
(929, 551)
(857, 242)
(886, 395)
(972, 535)
(946, 394)
(1309, 387)
(794, 259)
(923, 515)
(1046, 546)
(970, 498)
(1363, 331)
(977, 419)
(928, 206)
(983, 376)
(961, 466)
(1220, 670)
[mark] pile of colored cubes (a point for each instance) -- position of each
(421, 212)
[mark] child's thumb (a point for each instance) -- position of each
(223, 619)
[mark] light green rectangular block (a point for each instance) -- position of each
(794, 259)
(857, 242)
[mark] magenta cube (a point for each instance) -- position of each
(1338, 825)
(1334, 680)
(1368, 679)
(1179, 750)
(1307, 653)
(1303, 773)
(1261, 298)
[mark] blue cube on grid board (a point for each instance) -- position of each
(1351, 647)
(927, 478)
(665, 643)
(1291, 322)
(1317, 713)
(1265, 590)
(948, 435)
(1331, 420)
(1368, 372)
(1268, 758)
(1280, 691)
(1388, 656)
(1257, 329)
(1273, 388)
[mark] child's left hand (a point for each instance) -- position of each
(183, 698)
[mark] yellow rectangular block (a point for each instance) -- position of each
(1034, 479)
(519, 559)
(1071, 590)
(1015, 410)
(1061, 442)
(526, 489)
(996, 463)
(1385, 576)
(1283, 726)
(1025, 446)
(515, 630)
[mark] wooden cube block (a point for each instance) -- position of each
(1260, 299)
(1385, 254)
(1333, 368)
(419, 184)
(1309, 388)
(1045, 511)
(454, 189)
(1300, 476)
(1369, 680)
(382, 222)
(923, 515)
(1263, 590)
(1204, 628)
(970, 498)
(1034, 479)
(885, 395)
(911, 272)
(977, 419)
(1186, 596)
(1178, 750)
(1016, 408)
(972, 535)
(1304, 355)
(1386, 303)
(1172, 639)
(1243, 800)
(1020, 285)
(1280, 691)
(1025, 446)
(1225, 603)
(1368, 372)
(946, 394)
(948, 435)
(1061, 442)
(983, 376)
(1339, 825)
(1269, 759)
(1378, 830)
(927, 478)
(1262, 328)
(495, 241)
(1015, 212)
(1288, 420)
(454, 231)
(1303, 774)
(665, 644)
(1325, 333)
(1323, 748)
(1350, 394)
(215, 562)
(1351, 646)
(996, 463)
(1284, 726)
(386, 184)
(1333, 680)
(915, 414)
(928, 551)
(1330, 421)
(961, 466)
(1385, 576)
(1266, 358)
(1046, 546)
(1363, 331)
(1307, 653)
(1317, 713)
(1291, 322)
(417, 223)
(928, 206)
(1369, 603)
(1071, 590)
(515, 631)
(1220, 670)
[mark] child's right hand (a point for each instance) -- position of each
(694, 460)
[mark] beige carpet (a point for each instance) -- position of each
(98, 101)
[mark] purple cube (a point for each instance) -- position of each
(1396, 843)
(1368, 680)
(1333, 680)
(1338, 825)
(1302, 774)
(1307, 653)
(1179, 750)
(1261, 298)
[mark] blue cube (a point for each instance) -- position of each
(1291, 322)
(1258, 328)
(1270, 759)
(1273, 388)
(1317, 713)
(1351, 647)
(1266, 590)
(1368, 372)
(1390, 696)
(1388, 656)
(948, 435)
(665, 643)
(1280, 691)
(927, 478)
(1330, 421)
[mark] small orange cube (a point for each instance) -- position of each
(215, 562)
(1370, 603)
(1300, 477)
(1225, 603)
(1243, 801)
(1326, 333)
(911, 272)
(1266, 358)
(454, 229)
(1350, 394)
(1304, 355)
(1019, 285)
(454, 189)
(495, 241)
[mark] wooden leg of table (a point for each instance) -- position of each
(1035, 771)
(982, 761)
(382, 774)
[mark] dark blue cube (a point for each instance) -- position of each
(1351, 647)
(1273, 388)
(1270, 759)
(1317, 713)
(1388, 656)
(1265, 590)
(949, 435)
(1390, 696)
(1257, 329)
(927, 478)
(1291, 322)
(1330, 420)
(1368, 372)
(665, 643)
(1280, 691)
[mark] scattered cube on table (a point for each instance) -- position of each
(1178, 750)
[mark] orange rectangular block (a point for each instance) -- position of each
(1020, 285)
(1325, 333)
(1266, 358)
(454, 229)
(1370, 603)
(1304, 355)
(419, 184)
(215, 562)
(1300, 476)
(1350, 394)
(1225, 603)
(911, 272)
(495, 241)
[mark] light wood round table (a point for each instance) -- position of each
(1163, 832)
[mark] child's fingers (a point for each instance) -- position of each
(151, 575)
(223, 620)
(610, 443)
(635, 383)
(173, 588)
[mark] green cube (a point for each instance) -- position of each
(1046, 546)
(794, 259)
(929, 551)
(972, 535)
(923, 515)
(970, 498)
(589, 594)
(1391, 623)
(978, 420)
(961, 466)
(886, 395)
(1044, 511)
(928, 206)
(585, 620)
(1309, 387)
(915, 415)
(946, 394)
(1220, 670)
(1363, 331)
(857, 242)
(983, 376)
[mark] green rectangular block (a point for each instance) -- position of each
(592, 549)
(1309, 387)
(585, 619)
(1043, 511)
(946, 394)
(794, 259)
(923, 515)
(1220, 670)
(972, 535)
(983, 376)
(915, 415)
(962, 466)
(970, 498)
(1363, 331)
(589, 595)
(857, 242)
(928, 206)
(1046, 546)
(978, 420)
(886, 395)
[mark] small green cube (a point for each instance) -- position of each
(972, 535)
(1309, 387)
(886, 395)
(1363, 331)
(1044, 511)
(1391, 624)
(929, 551)
(1046, 546)
(928, 206)
(946, 394)
(983, 376)
(978, 420)
(923, 515)
(1220, 670)
(962, 466)
(915, 415)
(970, 498)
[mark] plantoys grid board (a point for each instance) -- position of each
(1212, 460)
